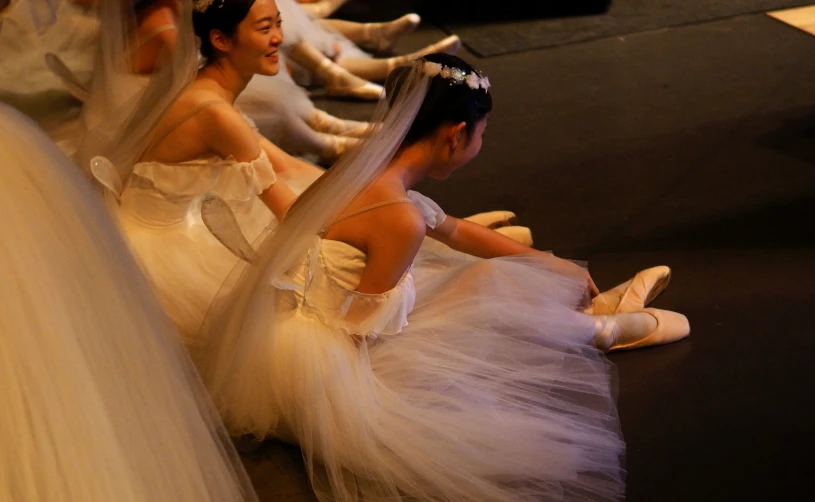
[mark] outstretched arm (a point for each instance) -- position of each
(391, 251)
(231, 136)
(475, 240)
(285, 165)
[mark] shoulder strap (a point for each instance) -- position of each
(159, 29)
(366, 209)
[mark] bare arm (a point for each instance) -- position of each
(475, 240)
(230, 136)
(390, 252)
(152, 53)
(284, 164)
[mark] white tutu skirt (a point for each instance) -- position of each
(186, 264)
(493, 391)
(100, 401)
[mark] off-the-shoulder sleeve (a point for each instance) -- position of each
(432, 213)
(264, 174)
(227, 178)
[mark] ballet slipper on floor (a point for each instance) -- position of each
(376, 69)
(493, 219)
(340, 83)
(522, 235)
(324, 122)
(337, 80)
(612, 336)
(634, 294)
(381, 37)
(337, 146)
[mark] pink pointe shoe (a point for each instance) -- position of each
(493, 219)
(381, 37)
(634, 294)
(612, 335)
(521, 235)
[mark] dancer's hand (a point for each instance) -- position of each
(577, 270)
(593, 289)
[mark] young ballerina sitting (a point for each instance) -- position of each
(403, 374)
(202, 145)
(280, 109)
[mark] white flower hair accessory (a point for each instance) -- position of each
(473, 80)
(202, 5)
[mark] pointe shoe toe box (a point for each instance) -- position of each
(368, 91)
(522, 235)
(671, 327)
(644, 288)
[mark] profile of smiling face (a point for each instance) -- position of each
(245, 33)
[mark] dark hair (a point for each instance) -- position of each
(140, 5)
(446, 102)
(221, 15)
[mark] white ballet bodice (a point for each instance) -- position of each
(160, 212)
(325, 283)
(161, 194)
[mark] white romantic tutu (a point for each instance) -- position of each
(472, 380)
(100, 402)
(160, 215)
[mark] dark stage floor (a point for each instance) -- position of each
(694, 147)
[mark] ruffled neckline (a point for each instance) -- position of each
(227, 177)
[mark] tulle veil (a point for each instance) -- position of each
(120, 120)
(100, 399)
(238, 319)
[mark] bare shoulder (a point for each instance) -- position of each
(402, 222)
(226, 131)
(201, 123)
(156, 17)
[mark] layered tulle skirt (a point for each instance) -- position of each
(492, 391)
(100, 401)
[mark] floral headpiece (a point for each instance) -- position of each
(473, 80)
(202, 5)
